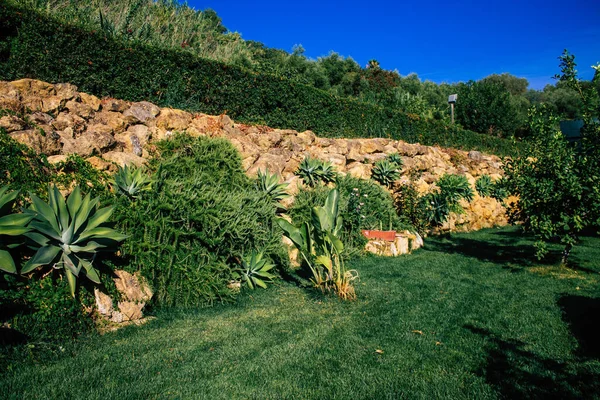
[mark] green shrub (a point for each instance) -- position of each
(203, 215)
(38, 47)
(40, 309)
(363, 204)
(412, 207)
(452, 189)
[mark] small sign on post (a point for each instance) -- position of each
(452, 100)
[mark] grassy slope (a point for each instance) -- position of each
(469, 316)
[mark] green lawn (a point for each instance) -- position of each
(469, 316)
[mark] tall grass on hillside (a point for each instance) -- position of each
(165, 23)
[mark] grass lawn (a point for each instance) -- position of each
(469, 316)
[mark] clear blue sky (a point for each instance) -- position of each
(443, 41)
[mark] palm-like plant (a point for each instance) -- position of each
(321, 248)
(131, 182)
(255, 270)
(69, 234)
(385, 172)
(12, 227)
(270, 185)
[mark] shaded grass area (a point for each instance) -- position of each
(469, 316)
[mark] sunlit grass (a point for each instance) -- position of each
(468, 316)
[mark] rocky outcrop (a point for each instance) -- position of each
(57, 120)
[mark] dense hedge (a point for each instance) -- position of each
(35, 46)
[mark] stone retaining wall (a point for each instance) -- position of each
(57, 120)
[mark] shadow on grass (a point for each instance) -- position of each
(581, 314)
(508, 248)
(521, 374)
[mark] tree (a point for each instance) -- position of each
(486, 107)
(557, 184)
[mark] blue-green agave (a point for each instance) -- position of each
(254, 270)
(69, 233)
(12, 228)
(131, 182)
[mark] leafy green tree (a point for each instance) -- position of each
(558, 185)
(486, 107)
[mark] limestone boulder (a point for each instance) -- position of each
(12, 123)
(308, 137)
(121, 158)
(141, 112)
(359, 170)
(274, 163)
(40, 118)
(66, 120)
(90, 100)
(173, 120)
(112, 119)
(80, 109)
(41, 144)
(114, 105)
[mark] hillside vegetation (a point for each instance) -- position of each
(495, 105)
(40, 47)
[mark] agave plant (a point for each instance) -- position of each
(69, 234)
(385, 172)
(12, 227)
(313, 172)
(455, 187)
(270, 185)
(395, 158)
(131, 182)
(483, 185)
(328, 173)
(255, 270)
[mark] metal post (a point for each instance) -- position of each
(452, 111)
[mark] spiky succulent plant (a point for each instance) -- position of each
(131, 181)
(270, 185)
(254, 270)
(12, 228)
(385, 172)
(69, 233)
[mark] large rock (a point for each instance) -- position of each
(134, 293)
(359, 170)
(122, 159)
(80, 109)
(114, 120)
(114, 105)
(90, 100)
(12, 123)
(173, 120)
(141, 113)
(48, 144)
(274, 163)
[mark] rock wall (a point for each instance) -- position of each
(57, 119)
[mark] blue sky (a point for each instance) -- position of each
(443, 41)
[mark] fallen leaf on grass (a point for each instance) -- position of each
(379, 351)
(438, 343)
(417, 331)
